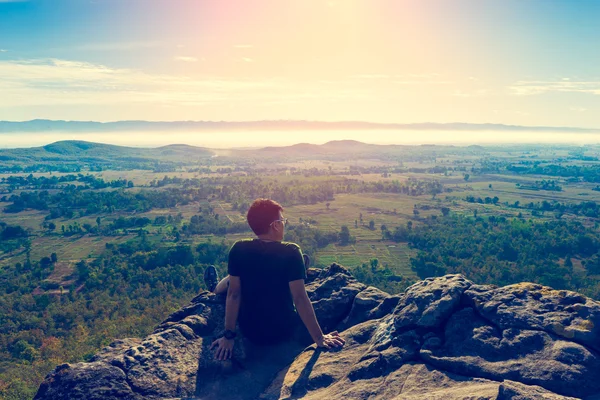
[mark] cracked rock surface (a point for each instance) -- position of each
(444, 338)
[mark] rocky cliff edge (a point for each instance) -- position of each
(444, 338)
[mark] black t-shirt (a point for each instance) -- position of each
(267, 314)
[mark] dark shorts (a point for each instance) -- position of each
(294, 330)
(250, 371)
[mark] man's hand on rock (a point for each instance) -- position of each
(331, 340)
(224, 349)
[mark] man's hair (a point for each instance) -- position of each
(261, 214)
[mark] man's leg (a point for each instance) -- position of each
(222, 286)
(211, 280)
(306, 261)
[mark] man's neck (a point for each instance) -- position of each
(268, 238)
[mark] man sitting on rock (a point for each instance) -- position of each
(266, 279)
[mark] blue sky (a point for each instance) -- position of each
(515, 62)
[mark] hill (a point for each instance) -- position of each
(444, 338)
(82, 154)
(87, 154)
(41, 125)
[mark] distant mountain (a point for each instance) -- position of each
(333, 147)
(79, 151)
(87, 154)
(79, 147)
(41, 125)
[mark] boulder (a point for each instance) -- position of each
(532, 306)
(444, 338)
(87, 381)
(475, 348)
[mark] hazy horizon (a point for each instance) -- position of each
(256, 138)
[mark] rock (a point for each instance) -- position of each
(412, 381)
(474, 348)
(510, 390)
(165, 365)
(332, 295)
(370, 303)
(88, 381)
(444, 338)
(427, 304)
(531, 306)
(116, 348)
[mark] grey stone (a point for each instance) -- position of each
(532, 306)
(370, 303)
(474, 348)
(510, 390)
(88, 381)
(428, 303)
(411, 381)
(444, 338)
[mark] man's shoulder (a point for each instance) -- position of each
(242, 243)
(245, 244)
(291, 246)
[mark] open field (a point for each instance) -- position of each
(395, 255)
(389, 209)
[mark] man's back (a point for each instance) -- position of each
(265, 268)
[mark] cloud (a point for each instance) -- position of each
(408, 79)
(248, 60)
(243, 46)
(3, 50)
(371, 76)
(475, 93)
(117, 46)
(531, 88)
(186, 59)
(42, 82)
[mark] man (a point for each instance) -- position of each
(266, 279)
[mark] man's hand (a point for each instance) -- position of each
(224, 349)
(331, 341)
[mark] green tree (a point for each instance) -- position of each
(344, 235)
(384, 229)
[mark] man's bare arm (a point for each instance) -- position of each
(232, 305)
(224, 346)
(308, 317)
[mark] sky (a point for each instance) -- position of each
(515, 62)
